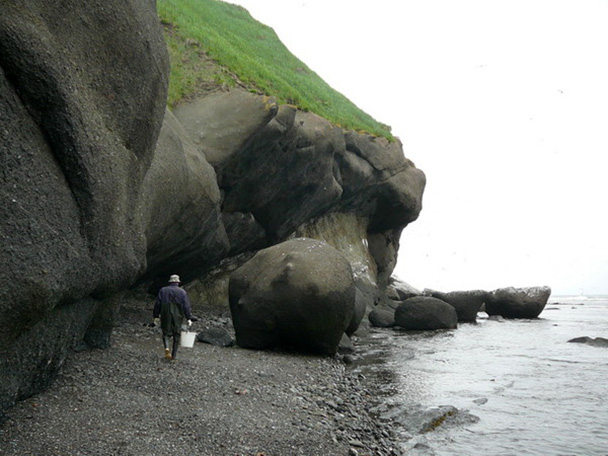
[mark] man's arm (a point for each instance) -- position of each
(186, 307)
(156, 312)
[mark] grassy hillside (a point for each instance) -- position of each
(215, 43)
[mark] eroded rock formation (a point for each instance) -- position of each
(82, 98)
(102, 189)
(422, 313)
(298, 294)
(510, 302)
(466, 303)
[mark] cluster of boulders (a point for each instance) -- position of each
(301, 294)
(105, 190)
(410, 309)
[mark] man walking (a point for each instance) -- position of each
(172, 305)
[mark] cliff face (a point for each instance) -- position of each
(103, 189)
(82, 98)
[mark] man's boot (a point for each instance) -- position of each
(175, 346)
(166, 345)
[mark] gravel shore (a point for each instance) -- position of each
(128, 400)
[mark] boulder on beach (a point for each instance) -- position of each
(466, 303)
(527, 302)
(215, 336)
(597, 342)
(398, 290)
(298, 294)
(358, 313)
(346, 346)
(382, 317)
(425, 313)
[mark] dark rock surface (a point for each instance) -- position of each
(222, 123)
(346, 346)
(382, 317)
(358, 313)
(184, 229)
(513, 302)
(299, 294)
(379, 182)
(82, 97)
(466, 303)
(283, 174)
(279, 168)
(398, 290)
(425, 313)
(216, 336)
(103, 189)
(596, 342)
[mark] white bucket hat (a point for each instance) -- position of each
(174, 278)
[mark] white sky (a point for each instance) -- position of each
(503, 105)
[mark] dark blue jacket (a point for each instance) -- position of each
(179, 296)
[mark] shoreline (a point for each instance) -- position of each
(129, 400)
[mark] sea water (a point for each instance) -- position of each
(512, 387)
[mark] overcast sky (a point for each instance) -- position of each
(503, 105)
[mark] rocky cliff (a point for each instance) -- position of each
(103, 189)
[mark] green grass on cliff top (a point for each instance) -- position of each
(214, 43)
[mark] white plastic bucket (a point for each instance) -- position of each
(187, 339)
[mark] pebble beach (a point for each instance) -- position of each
(129, 400)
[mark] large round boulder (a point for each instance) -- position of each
(382, 316)
(466, 303)
(299, 294)
(511, 302)
(358, 313)
(423, 313)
